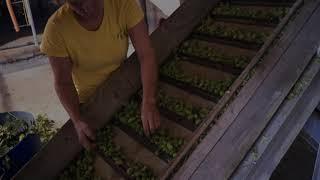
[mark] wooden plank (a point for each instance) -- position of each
(105, 171)
(288, 132)
(185, 96)
(244, 21)
(261, 3)
(226, 41)
(189, 88)
(136, 152)
(203, 72)
(233, 146)
(249, 162)
(64, 146)
(211, 64)
(116, 91)
(235, 107)
(248, 27)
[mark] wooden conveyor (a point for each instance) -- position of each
(236, 89)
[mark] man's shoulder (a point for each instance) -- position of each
(60, 17)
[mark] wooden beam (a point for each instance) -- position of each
(53, 157)
(261, 71)
(288, 132)
(257, 151)
(252, 119)
(115, 92)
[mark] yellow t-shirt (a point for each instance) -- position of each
(94, 54)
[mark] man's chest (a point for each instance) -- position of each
(93, 50)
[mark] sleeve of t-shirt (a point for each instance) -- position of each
(52, 43)
(134, 13)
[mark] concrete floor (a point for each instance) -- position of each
(28, 86)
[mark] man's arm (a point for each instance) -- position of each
(63, 83)
(149, 76)
(66, 91)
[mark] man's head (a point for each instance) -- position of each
(83, 8)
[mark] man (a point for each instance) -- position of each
(85, 41)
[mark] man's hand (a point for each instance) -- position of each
(150, 117)
(86, 135)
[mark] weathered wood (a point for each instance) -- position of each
(190, 88)
(261, 3)
(227, 41)
(136, 152)
(55, 155)
(249, 162)
(288, 132)
(244, 21)
(115, 91)
(235, 107)
(247, 27)
(238, 139)
(103, 170)
(203, 72)
(185, 96)
(211, 64)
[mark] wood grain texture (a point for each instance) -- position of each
(288, 132)
(249, 162)
(261, 71)
(252, 119)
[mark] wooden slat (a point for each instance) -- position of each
(233, 146)
(288, 132)
(185, 96)
(104, 170)
(189, 88)
(249, 162)
(247, 27)
(235, 107)
(119, 171)
(116, 91)
(138, 153)
(203, 72)
(236, 43)
(244, 21)
(261, 3)
(212, 64)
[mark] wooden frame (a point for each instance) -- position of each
(115, 92)
(201, 151)
(288, 132)
(237, 140)
(278, 121)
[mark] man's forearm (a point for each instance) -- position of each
(149, 72)
(69, 99)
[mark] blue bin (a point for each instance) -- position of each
(22, 152)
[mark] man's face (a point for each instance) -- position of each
(84, 8)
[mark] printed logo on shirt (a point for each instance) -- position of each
(122, 34)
